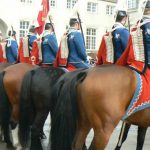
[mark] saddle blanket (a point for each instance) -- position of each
(141, 98)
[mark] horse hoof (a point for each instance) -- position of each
(117, 148)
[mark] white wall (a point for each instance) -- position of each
(12, 11)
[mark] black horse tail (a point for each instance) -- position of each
(4, 107)
(65, 115)
(26, 109)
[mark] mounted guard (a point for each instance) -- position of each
(49, 46)
(72, 52)
(12, 48)
(115, 41)
(26, 45)
(2, 49)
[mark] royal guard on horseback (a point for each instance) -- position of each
(26, 45)
(44, 50)
(115, 41)
(2, 49)
(137, 54)
(72, 52)
(12, 47)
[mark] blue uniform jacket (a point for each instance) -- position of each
(120, 40)
(146, 38)
(49, 48)
(11, 50)
(77, 52)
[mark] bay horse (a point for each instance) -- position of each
(10, 86)
(95, 98)
(36, 103)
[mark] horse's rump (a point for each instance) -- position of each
(36, 102)
(95, 97)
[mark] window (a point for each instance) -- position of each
(71, 3)
(109, 10)
(23, 28)
(26, 1)
(52, 3)
(91, 39)
(92, 7)
(131, 4)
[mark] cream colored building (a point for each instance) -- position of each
(97, 17)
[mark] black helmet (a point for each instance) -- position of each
(48, 26)
(13, 33)
(148, 4)
(73, 21)
(147, 8)
(32, 29)
(120, 15)
(9, 33)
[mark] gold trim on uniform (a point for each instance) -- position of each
(109, 48)
(64, 47)
(138, 46)
(39, 47)
(25, 47)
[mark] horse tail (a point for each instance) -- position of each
(26, 109)
(65, 115)
(4, 105)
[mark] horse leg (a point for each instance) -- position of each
(141, 137)
(100, 140)
(16, 142)
(42, 134)
(36, 130)
(123, 135)
(14, 115)
(1, 134)
(6, 131)
(102, 134)
(83, 129)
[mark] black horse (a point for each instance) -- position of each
(35, 103)
(124, 132)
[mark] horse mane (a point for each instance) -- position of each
(64, 94)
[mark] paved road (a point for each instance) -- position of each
(130, 143)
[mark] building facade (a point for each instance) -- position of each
(97, 17)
